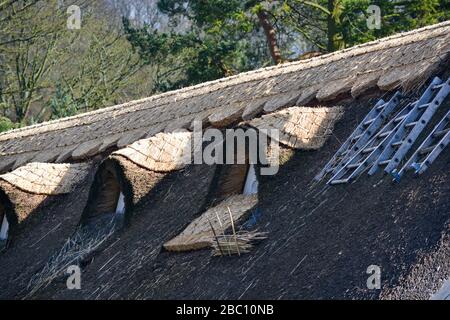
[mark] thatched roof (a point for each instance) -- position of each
(319, 243)
(324, 238)
(47, 178)
(301, 127)
(26, 188)
(401, 60)
(162, 153)
(44, 222)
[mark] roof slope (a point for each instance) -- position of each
(402, 59)
(319, 241)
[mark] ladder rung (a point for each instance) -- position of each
(369, 122)
(423, 106)
(368, 150)
(411, 124)
(330, 169)
(427, 150)
(384, 162)
(441, 133)
(384, 134)
(438, 86)
(339, 181)
(353, 165)
(397, 120)
(396, 144)
(381, 107)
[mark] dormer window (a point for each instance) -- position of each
(4, 225)
(251, 182)
(107, 199)
(120, 209)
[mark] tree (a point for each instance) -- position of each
(27, 49)
(215, 44)
(48, 71)
(335, 24)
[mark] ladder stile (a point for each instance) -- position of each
(435, 153)
(371, 130)
(364, 161)
(369, 147)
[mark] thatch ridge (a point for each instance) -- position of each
(211, 101)
(244, 74)
(163, 152)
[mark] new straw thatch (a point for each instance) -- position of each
(164, 152)
(405, 60)
(199, 234)
(301, 127)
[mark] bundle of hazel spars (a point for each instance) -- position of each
(238, 242)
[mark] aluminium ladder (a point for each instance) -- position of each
(361, 135)
(366, 156)
(429, 150)
(377, 151)
(412, 127)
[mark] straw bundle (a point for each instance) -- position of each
(238, 243)
(199, 233)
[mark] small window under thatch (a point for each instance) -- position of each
(108, 198)
(231, 180)
(4, 224)
(251, 182)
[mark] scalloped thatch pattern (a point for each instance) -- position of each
(46, 178)
(300, 127)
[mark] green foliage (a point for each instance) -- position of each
(6, 124)
(396, 17)
(48, 71)
(61, 104)
(218, 43)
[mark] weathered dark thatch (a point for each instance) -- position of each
(134, 171)
(320, 239)
(133, 252)
(115, 175)
(39, 225)
(29, 187)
